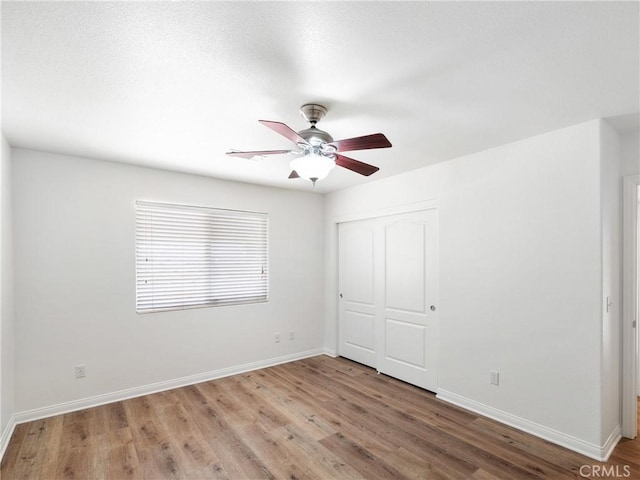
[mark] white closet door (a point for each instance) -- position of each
(389, 288)
(357, 291)
(408, 345)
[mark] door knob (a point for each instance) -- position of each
(432, 308)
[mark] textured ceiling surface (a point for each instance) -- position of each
(175, 85)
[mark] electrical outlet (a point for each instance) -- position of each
(292, 335)
(495, 378)
(81, 371)
(277, 338)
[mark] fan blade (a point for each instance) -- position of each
(294, 174)
(284, 130)
(358, 167)
(257, 153)
(375, 140)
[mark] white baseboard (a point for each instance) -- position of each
(103, 399)
(330, 352)
(610, 444)
(596, 452)
(5, 435)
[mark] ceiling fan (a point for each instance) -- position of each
(317, 152)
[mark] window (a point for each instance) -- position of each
(190, 257)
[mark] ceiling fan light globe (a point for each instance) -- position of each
(312, 167)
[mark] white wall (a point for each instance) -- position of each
(75, 273)
(520, 275)
(6, 293)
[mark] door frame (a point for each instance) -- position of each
(385, 212)
(362, 215)
(630, 186)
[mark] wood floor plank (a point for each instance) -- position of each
(157, 456)
(483, 475)
(122, 462)
(199, 410)
(236, 457)
(280, 460)
(382, 437)
(158, 449)
(242, 393)
(361, 459)
(222, 398)
(13, 449)
(298, 412)
(389, 424)
(51, 447)
(35, 445)
(417, 467)
(314, 457)
(498, 460)
(534, 464)
(377, 436)
(317, 418)
(500, 434)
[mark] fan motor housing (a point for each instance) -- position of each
(315, 133)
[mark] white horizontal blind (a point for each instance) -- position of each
(190, 257)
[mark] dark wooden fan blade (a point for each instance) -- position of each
(358, 167)
(375, 140)
(294, 174)
(250, 155)
(284, 130)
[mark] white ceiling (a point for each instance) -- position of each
(175, 85)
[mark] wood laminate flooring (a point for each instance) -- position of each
(318, 418)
